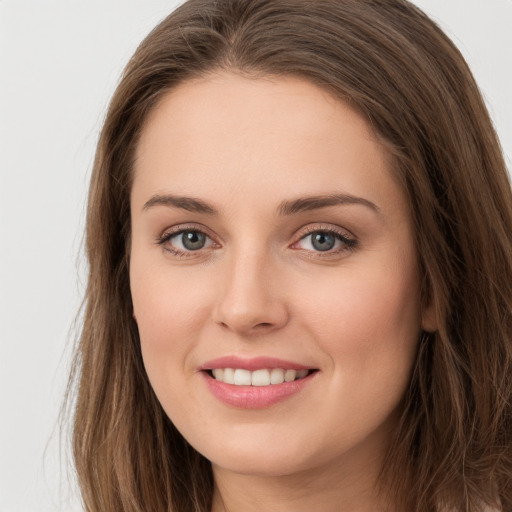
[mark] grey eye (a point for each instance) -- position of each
(322, 241)
(193, 240)
(186, 241)
(325, 241)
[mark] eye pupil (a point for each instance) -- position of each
(192, 240)
(323, 241)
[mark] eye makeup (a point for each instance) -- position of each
(322, 240)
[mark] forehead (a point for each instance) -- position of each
(256, 139)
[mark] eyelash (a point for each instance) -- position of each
(168, 235)
(349, 243)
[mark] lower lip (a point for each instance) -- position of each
(255, 397)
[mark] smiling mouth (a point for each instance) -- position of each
(259, 378)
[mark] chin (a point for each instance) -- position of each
(262, 464)
(257, 455)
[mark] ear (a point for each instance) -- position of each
(429, 318)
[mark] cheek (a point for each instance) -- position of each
(370, 324)
(165, 303)
(170, 312)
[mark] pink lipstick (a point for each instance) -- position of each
(257, 382)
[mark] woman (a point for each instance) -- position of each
(300, 289)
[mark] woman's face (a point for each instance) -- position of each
(270, 240)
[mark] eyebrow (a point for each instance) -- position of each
(185, 203)
(304, 204)
(289, 207)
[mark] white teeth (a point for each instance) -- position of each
(229, 376)
(218, 373)
(276, 376)
(301, 374)
(260, 378)
(242, 377)
(263, 377)
(290, 375)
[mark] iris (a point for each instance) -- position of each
(193, 240)
(322, 241)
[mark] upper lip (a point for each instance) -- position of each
(254, 363)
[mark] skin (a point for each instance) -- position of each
(259, 287)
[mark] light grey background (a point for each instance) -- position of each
(59, 64)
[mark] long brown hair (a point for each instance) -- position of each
(453, 444)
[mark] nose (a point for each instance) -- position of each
(252, 299)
